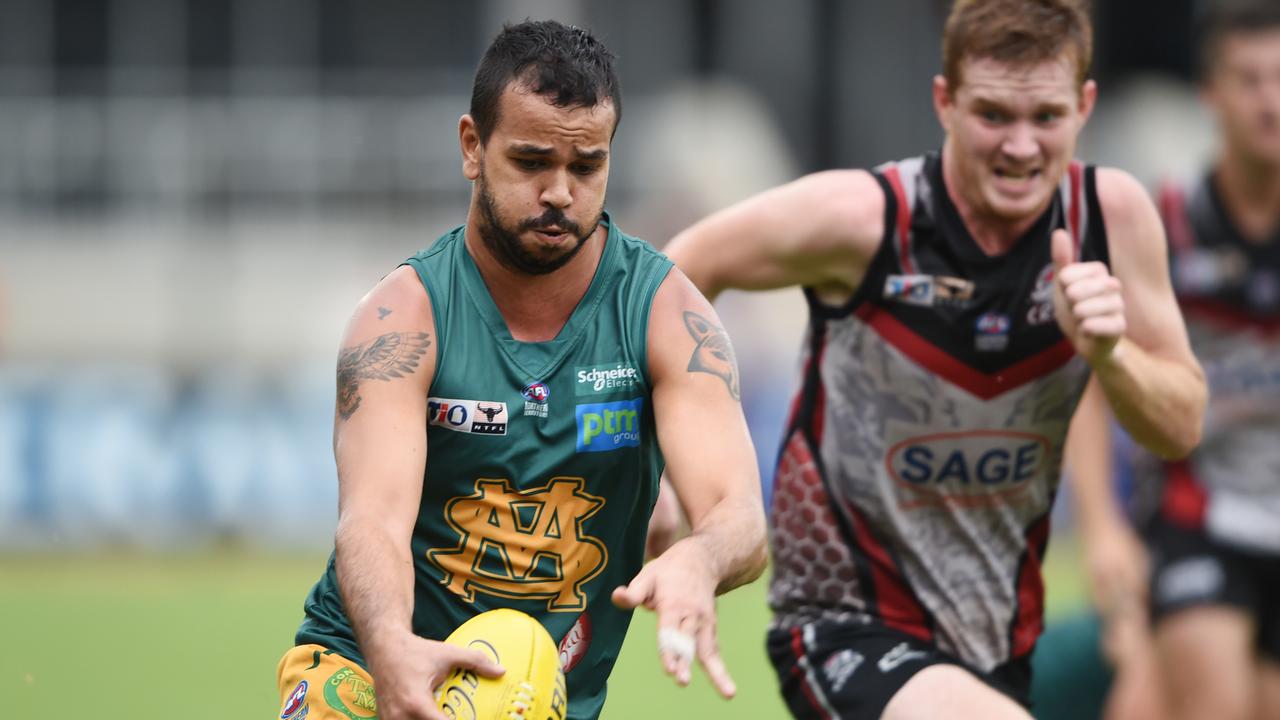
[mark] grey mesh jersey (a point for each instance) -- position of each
(923, 451)
(1229, 291)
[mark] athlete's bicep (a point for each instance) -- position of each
(820, 230)
(1139, 259)
(385, 367)
(696, 399)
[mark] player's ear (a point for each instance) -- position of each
(943, 102)
(472, 147)
(1088, 96)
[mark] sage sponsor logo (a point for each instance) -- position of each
(604, 379)
(968, 469)
(608, 426)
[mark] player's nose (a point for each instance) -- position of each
(1020, 142)
(556, 192)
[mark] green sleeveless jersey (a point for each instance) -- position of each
(542, 465)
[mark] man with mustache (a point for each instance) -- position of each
(959, 305)
(551, 365)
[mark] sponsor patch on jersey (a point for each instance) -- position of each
(536, 394)
(1040, 303)
(294, 707)
(928, 290)
(1199, 577)
(967, 469)
(900, 653)
(1203, 271)
(992, 332)
(574, 645)
(606, 379)
(350, 694)
(1264, 289)
(840, 667)
(479, 417)
(608, 426)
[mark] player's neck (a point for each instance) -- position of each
(1250, 190)
(992, 234)
(536, 307)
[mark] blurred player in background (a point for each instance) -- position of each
(551, 364)
(959, 303)
(1100, 662)
(1214, 530)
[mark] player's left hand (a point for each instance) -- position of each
(679, 587)
(1087, 301)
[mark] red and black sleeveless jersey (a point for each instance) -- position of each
(925, 442)
(1229, 291)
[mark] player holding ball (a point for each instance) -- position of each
(507, 400)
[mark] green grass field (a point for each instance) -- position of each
(199, 636)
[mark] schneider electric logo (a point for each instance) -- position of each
(604, 379)
(608, 426)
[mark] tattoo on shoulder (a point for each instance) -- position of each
(714, 353)
(383, 313)
(389, 356)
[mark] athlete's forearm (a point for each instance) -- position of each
(1159, 402)
(1088, 462)
(731, 537)
(375, 575)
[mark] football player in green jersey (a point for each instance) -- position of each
(507, 400)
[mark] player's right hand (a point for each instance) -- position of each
(413, 667)
(1088, 301)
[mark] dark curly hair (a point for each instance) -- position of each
(562, 63)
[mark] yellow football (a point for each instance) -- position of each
(532, 687)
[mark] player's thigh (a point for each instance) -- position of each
(319, 684)
(949, 692)
(1207, 661)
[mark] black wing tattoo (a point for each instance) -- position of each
(385, 358)
(714, 352)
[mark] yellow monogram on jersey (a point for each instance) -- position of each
(523, 545)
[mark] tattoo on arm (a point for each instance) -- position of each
(383, 313)
(393, 355)
(714, 353)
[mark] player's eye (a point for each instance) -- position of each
(585, 168)
(529, 164)
(1046, 117)
(994, 116)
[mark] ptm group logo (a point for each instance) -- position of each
(609, 426)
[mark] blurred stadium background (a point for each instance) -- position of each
(193, 195)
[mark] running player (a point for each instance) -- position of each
(959, 303)
(1215, 538)
(551, 364)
